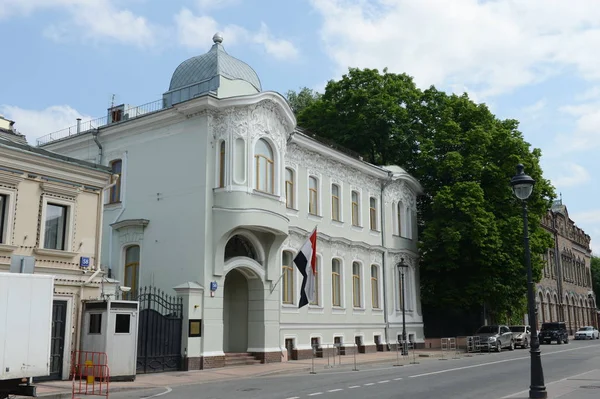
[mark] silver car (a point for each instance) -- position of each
(521, 335)
(496, 337)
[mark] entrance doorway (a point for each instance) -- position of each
(57, 341)
(235, 313)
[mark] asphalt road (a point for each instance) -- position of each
(493, 376)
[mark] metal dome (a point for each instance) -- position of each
(207, 66)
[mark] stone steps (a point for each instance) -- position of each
(239, 359)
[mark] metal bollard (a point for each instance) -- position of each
(456, 348)
(355, 350)
(412, 344)
(314, 353)
(398, 354)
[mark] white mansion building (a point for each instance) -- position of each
(218, 191)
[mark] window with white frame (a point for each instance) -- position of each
(335, 202)
(373, 213)
(356, 285)
(336, 282)
(116, 167)
(132, 271)
(316, 299)
(289, 188)
(222, 164)
(375, 286)
(56, 226)
(287, 269)
(4, 202)
(313, 196)
(400, 218)
(408, 223)
(264, 164)
(355, 208)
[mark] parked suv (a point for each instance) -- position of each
(555, 331)
(495, 337)
(521, 335)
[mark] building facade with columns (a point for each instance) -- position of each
(218, 191)
(565, 291)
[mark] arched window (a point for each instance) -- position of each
(399, 210)
(222, 164)
(263, 156)
(313, 196)
(335, 202)
(373, 213)
(375, 286)
(287, 270)
(238, 245)
(336, 283)
(408, 222)
(116, 167)
(355, 208)
(131, 270)
(316, 299)
(289, 188)
(356, 285)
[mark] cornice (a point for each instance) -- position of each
(60, 189)
(55, 253)
(11, 179)
(130, 223)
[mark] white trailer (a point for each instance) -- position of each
(25, 331)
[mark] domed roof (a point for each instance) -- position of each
(216, 62)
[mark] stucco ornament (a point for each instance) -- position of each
(400, 191)
(338, 171)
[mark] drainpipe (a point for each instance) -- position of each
(123, 206)
(98, 266)
(95, 136)
(385, 301)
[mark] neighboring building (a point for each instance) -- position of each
(565, 291)
(50, 223)
(219, 190)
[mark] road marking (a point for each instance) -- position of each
(354, 386)
(496, 362)
(369, 384)
(383, 382)
(294, 397)
(159, 394)
(315, 394)
(397, 379)
(335, 390)
(549, 383)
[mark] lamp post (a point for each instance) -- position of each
(522, 186)
(401, 266)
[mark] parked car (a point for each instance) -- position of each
(587, 332)
(554, 331)
(495, 337)
(521, 335)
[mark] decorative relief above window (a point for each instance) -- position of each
(400, 191)
(60, 189)
(10, 179)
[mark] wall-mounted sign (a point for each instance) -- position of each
(213, 285)
(195, 329)
(84, 261)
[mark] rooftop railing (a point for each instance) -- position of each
(88, 126)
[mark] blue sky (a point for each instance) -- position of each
(532, 60)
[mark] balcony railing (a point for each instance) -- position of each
(88, 126)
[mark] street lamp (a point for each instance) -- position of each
(522, 186)
(401, 266)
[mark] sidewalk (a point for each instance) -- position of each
(62, 389)
(581, 386)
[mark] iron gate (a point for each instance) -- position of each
(159, 335)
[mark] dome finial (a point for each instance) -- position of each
(218, 38)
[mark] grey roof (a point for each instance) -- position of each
(207, 66)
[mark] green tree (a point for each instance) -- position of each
(471, 237)
(300, 100)
(595, 266)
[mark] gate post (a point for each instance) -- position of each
(192, 296)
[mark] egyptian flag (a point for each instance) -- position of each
(306, 261)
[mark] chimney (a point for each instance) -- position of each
(78, 125)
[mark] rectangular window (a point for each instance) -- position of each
(95, 326)
(222, 165)
(289, 188)
(288, 278)
(313, 196)
(335, 202)
(132, 270)
(115, 191)
(3, 218)
(375, 287)
(55, 233)
(355, 208)
(122, 323)
(373, 213)
(356, 285)
(336, 286)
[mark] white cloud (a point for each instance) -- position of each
(492, 47)
(36, 123)
(195, 31)
(572, 175)
(204, 5)
(586, 135)
(534, 111)
(89, 19)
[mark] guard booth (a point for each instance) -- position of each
(111, 327)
